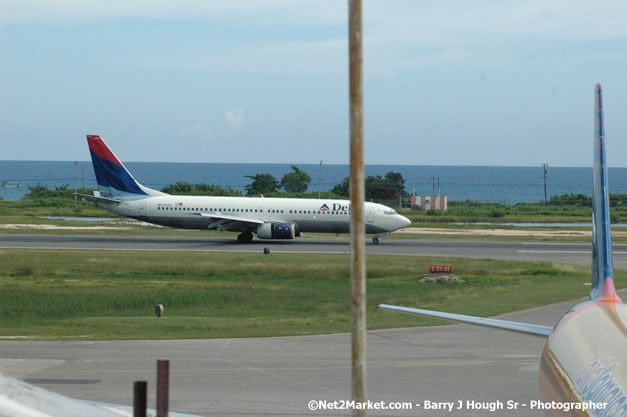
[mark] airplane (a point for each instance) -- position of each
(269, 218)
(585, 357)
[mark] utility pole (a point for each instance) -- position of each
(545, 166)
(75, 179)
(357, 195)
(320, 181)
(438, 186)
(433, 183)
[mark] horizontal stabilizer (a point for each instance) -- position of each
(97, 198)
(534, 329)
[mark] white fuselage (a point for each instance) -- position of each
(308, 215)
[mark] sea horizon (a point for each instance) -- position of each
(503, 184)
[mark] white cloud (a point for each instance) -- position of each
(197, 130)
(435, 22)
(257, 11)
(234, 119)
(313, 57)
(428, 21)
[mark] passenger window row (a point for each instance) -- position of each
(215, 209)
(344, 213)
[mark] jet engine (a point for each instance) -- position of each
(276, 231)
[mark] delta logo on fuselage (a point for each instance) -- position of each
(598, 384)
(336, 207)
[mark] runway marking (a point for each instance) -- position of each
(26, 366)
(44, 381)
(553, 244)
(551, 251)
(248, 368)
(562, 251)
(564, 244)
(175, 250)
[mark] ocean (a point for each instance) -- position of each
(507, 185)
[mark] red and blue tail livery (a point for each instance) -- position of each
(110, 172)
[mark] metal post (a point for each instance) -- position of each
(433, 183)
(357, 193)
(140, 398)
(320, 181)
(163, 387)
(75, 179)
(438, 186)
(546, 171)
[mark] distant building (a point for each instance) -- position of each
(437, 202)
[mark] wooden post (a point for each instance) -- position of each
(140, 398)
(357, 193)
(163, 387)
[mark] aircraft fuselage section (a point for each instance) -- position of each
(308, 215)
(583, 358)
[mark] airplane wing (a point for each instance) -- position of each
(534, 329)
(221, 221)
(21, 399)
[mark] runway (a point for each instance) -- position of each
(568, 253)
(280, 376)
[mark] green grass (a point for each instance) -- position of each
(51, 294)
(518, 213)
(52, 207)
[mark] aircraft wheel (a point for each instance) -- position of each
(244, 237)
(375, 240)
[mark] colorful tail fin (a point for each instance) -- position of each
(113, 178)
(602, 266)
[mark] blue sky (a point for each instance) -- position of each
(455, 82)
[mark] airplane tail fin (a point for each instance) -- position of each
(114, 180)
(602, 265)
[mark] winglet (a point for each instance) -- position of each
(602, 265)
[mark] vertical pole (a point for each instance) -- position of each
(438, 186)
(357, 193)
(433, 183)
(75, 179)
(163, 387)
(320, 181)
(546, 171)
(140, 398)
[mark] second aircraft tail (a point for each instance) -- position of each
(602, 264)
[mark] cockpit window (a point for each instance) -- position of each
(389, 212)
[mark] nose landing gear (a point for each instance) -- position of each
(375, 238)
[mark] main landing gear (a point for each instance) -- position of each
(375, 240)
(245, 237)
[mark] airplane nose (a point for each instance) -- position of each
(405, 221)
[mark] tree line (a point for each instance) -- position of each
(292, 184)
(388, 187)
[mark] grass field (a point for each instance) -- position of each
(47, 294)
